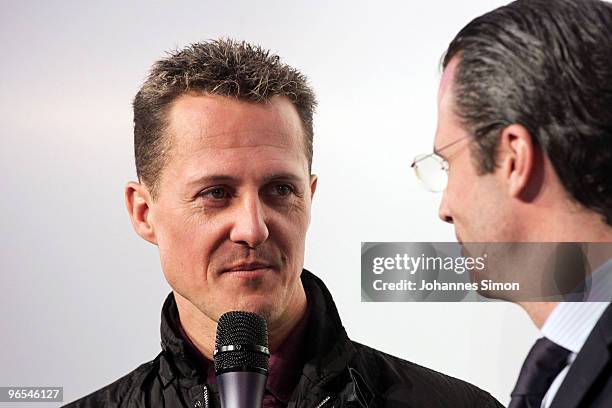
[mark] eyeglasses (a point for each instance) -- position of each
(432, 169)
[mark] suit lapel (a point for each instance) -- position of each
(593, 357)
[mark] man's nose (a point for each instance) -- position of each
(249, 227)
(444, 210)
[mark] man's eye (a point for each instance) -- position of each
(216, 193)
(282, 190)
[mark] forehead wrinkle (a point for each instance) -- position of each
(210, 139)
(226, 151)
(246, 138)
(221, 160)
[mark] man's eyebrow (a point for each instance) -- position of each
(212, 179)
(282, 176)
(227, 179)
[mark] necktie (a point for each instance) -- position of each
(543, 363)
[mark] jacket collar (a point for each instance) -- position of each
(327, 346)
(180, 358)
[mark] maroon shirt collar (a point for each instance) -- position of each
(285, 364)
(287, 361)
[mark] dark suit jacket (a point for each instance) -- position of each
(588, 383)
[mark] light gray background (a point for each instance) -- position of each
(81, 293)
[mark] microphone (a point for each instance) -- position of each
(241, 359)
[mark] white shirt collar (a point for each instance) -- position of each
(570, 323)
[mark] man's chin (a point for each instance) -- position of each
(261, 303)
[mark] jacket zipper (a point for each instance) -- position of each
(322, 403)
(198, 403)
(205, 395)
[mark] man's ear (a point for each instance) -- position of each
(137, 201)
(517, 159)
(313, 184)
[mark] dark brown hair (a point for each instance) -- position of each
(547, 65)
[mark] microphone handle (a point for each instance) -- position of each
(241, 389)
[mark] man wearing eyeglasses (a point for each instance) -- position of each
(523, 153)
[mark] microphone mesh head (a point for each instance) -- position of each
(241, 328)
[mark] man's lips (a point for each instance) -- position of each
(247, 266)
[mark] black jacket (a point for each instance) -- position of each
(338, 372)
(589, 380)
